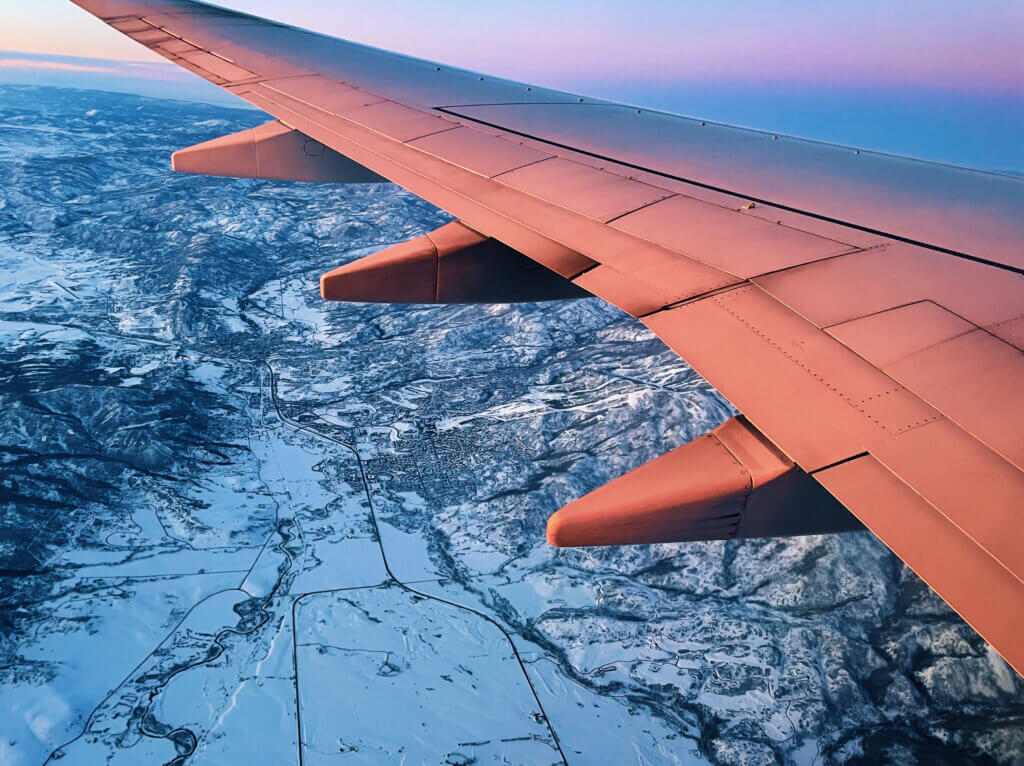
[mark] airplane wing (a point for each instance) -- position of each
(864, 312)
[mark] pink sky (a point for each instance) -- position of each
(936, 45)
(56, 65)
(939, 79)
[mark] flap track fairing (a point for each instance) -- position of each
(272, 151)
(729, 483)
(453, 264)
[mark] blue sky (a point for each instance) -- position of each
(941, 79)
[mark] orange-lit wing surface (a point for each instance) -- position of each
(865, 312)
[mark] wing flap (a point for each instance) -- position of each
(948, 362)
(971, 485)
(622, 290)
(984, 593)
(823, 404)
(820, 402)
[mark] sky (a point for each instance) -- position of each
(939, 79)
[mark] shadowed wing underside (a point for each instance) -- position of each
(865, 312)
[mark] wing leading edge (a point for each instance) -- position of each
(865, 312)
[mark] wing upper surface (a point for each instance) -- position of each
(966, 211)
(866, 312)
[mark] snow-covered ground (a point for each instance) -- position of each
(239, 525)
